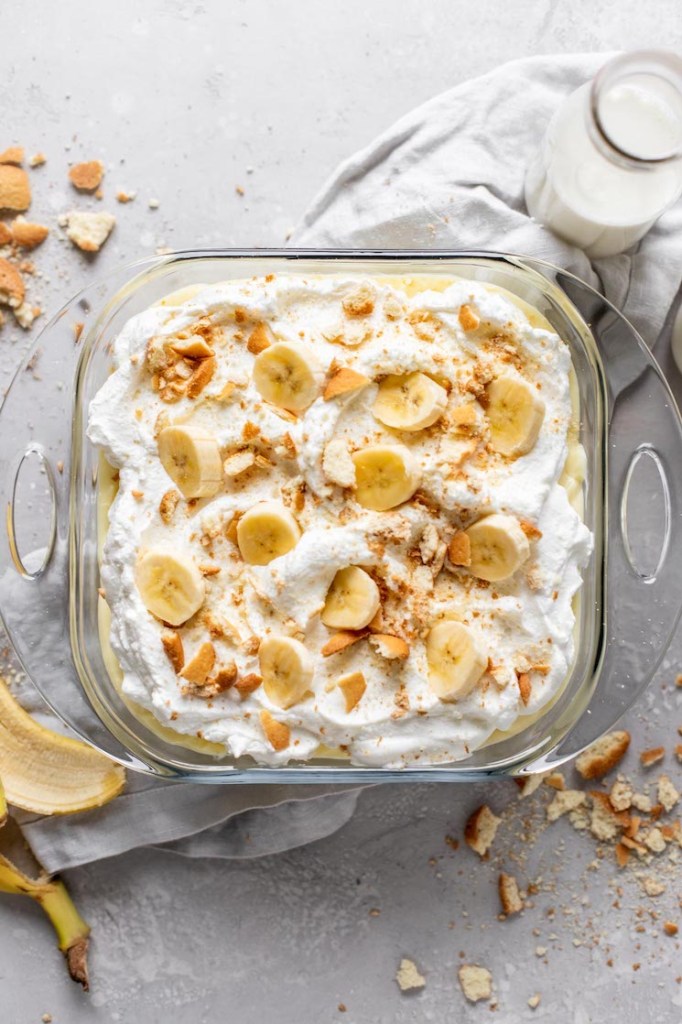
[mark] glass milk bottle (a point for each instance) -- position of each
(611, 160)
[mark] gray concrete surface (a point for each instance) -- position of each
(185, 102)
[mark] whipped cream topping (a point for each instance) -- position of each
(522, 622)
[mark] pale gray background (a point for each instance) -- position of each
(184, 101)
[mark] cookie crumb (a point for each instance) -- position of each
(566, 800)
(621, 795)
(87, 177)
(528, 784)
(239, 462)
(15, 189)
(652, 886)
(534, 1001)
(89, 231)
(459, 549)
(604, 755)
(12, 290)
(605, 823)
(667, 794)
(651, 756)
(476, 982)
(359, 302)
(468, 318)
(28, 235)
(408, 976)
(13, 155)
(480, 829)
(641, 802)
(556, 781)
(337, 465)
(510, 898)
(25, 314)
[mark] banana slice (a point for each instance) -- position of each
(515, 412)
(266, 531)
(386, 475)
(47, 773)
(191, 458)
(352, 600)
(170, 584)
(288, 375)
(410, 402)
(456, 660)
(287, 668)
(498, 546)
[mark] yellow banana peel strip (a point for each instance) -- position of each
(47, 773)
(50, 893)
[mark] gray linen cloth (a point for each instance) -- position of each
(447, 175)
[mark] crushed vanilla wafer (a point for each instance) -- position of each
(408, 976)
(89, 231)
(476, 982)
(87, 177)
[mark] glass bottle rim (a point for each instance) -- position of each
(660, 63)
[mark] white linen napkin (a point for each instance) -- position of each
(450, 175)
(447, 175)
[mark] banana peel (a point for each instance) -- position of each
(50, 893)
(47, 773)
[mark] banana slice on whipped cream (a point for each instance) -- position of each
(498, 547)
(170, 584)
(266, 531)
(409, 402)
(352, 600)
(287, 667)
(455, 658)
(287, 374)
(515, 413)
(386, 475)
(191, 457)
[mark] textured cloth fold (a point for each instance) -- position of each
(195, 820)
(447, 175)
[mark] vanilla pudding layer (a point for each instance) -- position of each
(522, 626)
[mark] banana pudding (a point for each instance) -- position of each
(347, 516)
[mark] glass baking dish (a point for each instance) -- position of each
(630, 428)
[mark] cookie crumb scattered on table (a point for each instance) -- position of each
(89, 231)
(476, 982)
(651, 756)
(408, 976)
(87, 177)
(480, 829)
(602, 757)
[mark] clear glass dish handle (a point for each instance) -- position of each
(35, 482)
(642, 595)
